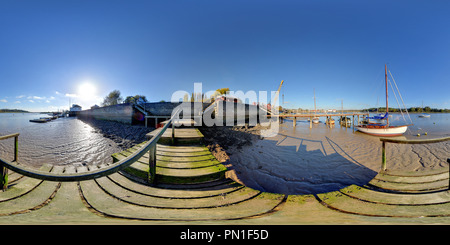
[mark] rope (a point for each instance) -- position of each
(401, 111)
(400, 96)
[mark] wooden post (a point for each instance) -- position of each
(448, 160)
(16, 148)
(3, 177)
(310, 122)
(152, 166)
(294, 121)
(383, 156)
(173, 133)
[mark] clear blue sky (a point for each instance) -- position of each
(339, 48)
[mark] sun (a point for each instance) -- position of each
(87, 90)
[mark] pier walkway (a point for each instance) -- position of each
(190, 186)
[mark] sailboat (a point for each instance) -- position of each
(315, 119)
(424, 114)
(378, 129)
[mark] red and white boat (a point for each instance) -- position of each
(383, 129)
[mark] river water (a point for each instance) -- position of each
(63, 141)
(301, 160)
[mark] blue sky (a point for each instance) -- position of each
(339, 48)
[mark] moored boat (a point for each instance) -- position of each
(382, 130)
(345, 121)
(330, 121)
(40, 120)
(379, 129)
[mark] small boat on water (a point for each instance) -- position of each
(424, 115)
(379, 129)
(315, 119)
(330, 121)
(40, 120)
(377, 118)
(345, 121)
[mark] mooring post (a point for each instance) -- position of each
(294, 121)
(152, 166)
(383, 156)
(310, 122)
(448, 160)
(16, 148)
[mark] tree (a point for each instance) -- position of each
(135, 99)
(113, 98)
(223, 90)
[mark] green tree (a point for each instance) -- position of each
(223, 90)
(113, 98)
(135, 99)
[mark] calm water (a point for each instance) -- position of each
(60, 142)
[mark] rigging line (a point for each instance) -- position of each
(378, 87)
(395, 95)
(400, 96)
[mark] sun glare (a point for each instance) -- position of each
(86, 90)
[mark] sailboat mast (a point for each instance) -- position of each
(387, 104)
(314, 102)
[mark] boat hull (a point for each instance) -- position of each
(382, 131)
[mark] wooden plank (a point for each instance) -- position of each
(343, 203)
(396, 198)
(413, 178)
(108, 205)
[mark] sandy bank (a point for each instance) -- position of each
(308, 161)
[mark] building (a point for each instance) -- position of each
(74, 110)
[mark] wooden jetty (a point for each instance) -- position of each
(160, 182)
(310, 116)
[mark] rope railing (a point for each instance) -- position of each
(150, 147)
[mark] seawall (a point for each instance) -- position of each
(124, 113)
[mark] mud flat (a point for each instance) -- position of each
(317, 160)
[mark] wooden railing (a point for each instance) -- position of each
(3, 169)
(150, 146)
(405, 141)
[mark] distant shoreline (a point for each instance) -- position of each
(13, 111)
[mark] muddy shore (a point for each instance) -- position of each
(318, 160)
(124, 135)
